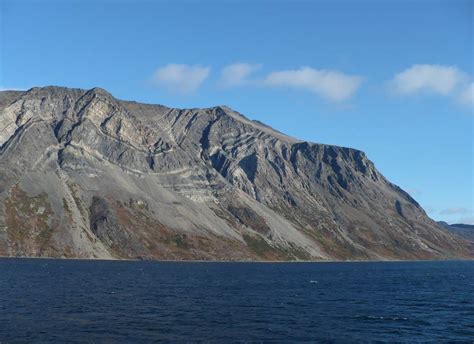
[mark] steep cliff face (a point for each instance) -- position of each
(83, 174)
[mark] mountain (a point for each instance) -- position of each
(464, 231)
(85, 175)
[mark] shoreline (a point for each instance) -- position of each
(235, 261)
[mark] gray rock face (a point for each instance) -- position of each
(83, 174)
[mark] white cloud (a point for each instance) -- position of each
(448, 81)
(467, 96)
(332, 85)
(237, 74)
(180, 77)
(436, 79)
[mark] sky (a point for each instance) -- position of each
(391, 78)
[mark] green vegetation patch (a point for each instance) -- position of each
(258, 244)
(28, 218)
(264, 249)
(294, 252)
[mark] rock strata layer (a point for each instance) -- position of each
(85, 175)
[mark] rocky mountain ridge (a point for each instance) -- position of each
(83, 174)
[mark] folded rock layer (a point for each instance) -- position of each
(85, 175)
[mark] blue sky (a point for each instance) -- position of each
(392, 78)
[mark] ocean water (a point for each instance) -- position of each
(111, 301)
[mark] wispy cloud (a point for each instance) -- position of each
(11, 89)
(427, 78)
(454, 210)
(447, 81)
(332, 85)
(467, 95)
(328, 84)
(237, 74)
(180, 77)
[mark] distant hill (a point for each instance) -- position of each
(463, 230)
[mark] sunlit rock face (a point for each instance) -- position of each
(83, 174)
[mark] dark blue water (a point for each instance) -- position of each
(100, 301)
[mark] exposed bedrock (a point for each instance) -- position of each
(83, 174)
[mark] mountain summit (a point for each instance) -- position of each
(85, 175)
